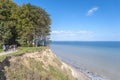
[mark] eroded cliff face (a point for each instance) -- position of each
(42, 65)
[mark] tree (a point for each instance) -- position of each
(33, 23)
(24, 24)
(7, 22)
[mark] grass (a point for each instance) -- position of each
(57, 73)
(22, 50)
(35, 72)
(1, 49)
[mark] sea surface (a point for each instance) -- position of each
(99, 60)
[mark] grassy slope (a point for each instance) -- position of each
(31, 68)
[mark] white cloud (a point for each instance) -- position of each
(71, 35)
(65, 33)
(92, 11)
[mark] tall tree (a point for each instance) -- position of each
(7, 22)
(24, 24)
(33, 23)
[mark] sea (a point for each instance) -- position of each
(99, 60)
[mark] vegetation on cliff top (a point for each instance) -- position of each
(22, 50)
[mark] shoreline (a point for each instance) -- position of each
(78, 70)
(76, 73)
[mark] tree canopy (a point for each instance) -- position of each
(25, 25)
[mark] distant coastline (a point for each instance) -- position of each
(89, 43)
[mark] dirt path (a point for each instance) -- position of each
(7, 52)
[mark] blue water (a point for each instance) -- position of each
(99, 58)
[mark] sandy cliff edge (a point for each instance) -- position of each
(46, 60)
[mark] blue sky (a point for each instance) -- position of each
(82, 20)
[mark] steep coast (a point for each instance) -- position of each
(38, 65)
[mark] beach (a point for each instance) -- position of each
(76, 73)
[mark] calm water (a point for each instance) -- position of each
(101, 58)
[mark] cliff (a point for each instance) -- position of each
(38, 65)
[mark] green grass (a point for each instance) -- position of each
(59, 75)
(22, 50)
(1, 50)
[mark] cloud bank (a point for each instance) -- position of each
(71, 35)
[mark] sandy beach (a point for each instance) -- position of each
(76, 73)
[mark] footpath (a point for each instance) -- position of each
(7, 52)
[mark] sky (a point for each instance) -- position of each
(82, 20)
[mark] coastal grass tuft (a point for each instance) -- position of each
(57, 73)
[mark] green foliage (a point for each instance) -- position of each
(7, 22)
(23, 24)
